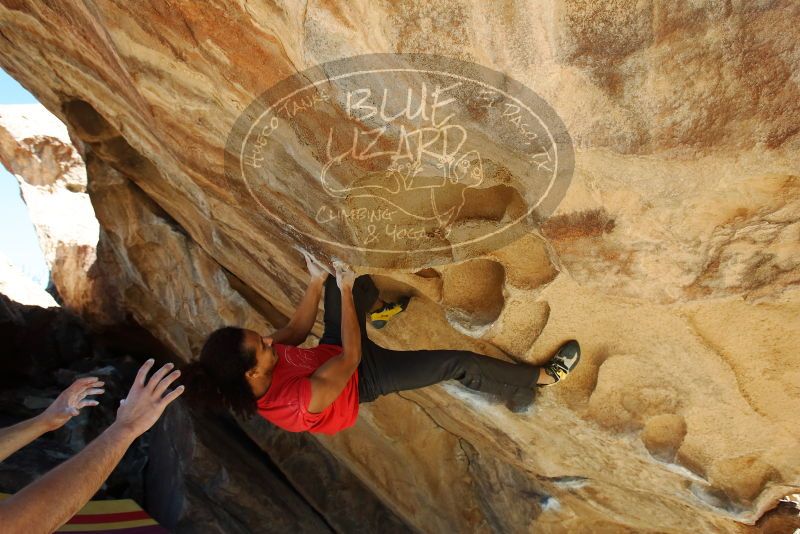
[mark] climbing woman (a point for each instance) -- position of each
(319, 389)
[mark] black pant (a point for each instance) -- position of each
(383, 371)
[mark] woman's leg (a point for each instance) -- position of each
(364, 296)
(394, 371)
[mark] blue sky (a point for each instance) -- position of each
(18, 240)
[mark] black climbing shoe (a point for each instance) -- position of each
(565, 360)
(380, 317)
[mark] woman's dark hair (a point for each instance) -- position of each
(216, 379)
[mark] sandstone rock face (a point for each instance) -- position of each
(673, 257)
(188, 471)
(129, 270)
(143, 251)
(35, 147)
(22, 289)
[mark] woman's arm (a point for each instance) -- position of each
(301, 323)
(330, 378)
(66, 406)
(297, 329)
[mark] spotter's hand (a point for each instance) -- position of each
(146, 399)
(69, 403)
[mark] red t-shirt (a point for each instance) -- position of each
(285, 403)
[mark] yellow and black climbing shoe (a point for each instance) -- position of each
(380, 317)
(566, 358)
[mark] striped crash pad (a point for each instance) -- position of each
(121, 516)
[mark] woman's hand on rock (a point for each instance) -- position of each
(345, 277)
(316, 268)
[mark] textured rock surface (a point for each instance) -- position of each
(190, 487)
(35, 147)
(22, 289)
(673, 258)
(324, 481)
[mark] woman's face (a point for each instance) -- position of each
(266, 358)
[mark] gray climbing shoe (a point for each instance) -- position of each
(564, 361)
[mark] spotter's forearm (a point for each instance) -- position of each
(50, 501)
(15, 437)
